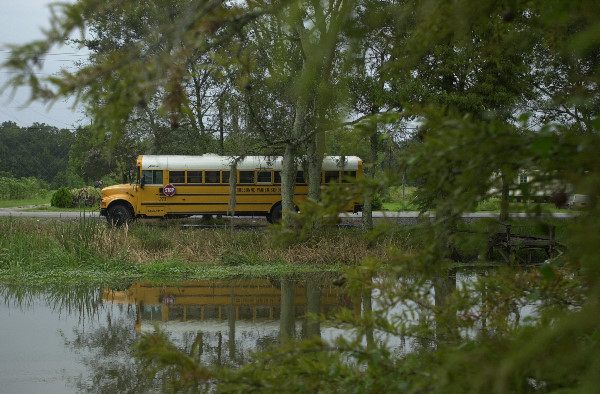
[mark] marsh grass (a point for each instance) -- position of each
(88, 248)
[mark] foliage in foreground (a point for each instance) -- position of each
(472, 71)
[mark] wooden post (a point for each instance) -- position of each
(508, 250)
(552, 241)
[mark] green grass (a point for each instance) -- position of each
(34, 251)
(493, 205)
(393, 202)
(48, 208)
(42, 204)
(24, 203)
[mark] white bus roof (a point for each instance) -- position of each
(216, 162)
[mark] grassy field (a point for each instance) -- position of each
(38, 201)
(394, 201)
(42, 204)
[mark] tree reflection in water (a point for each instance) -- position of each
(218, 323)
(106, 351)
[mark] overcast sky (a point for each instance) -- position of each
(21, 21)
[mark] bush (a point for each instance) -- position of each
(62, 198)
(20, 189)
(491, 204)
(86, 197)
(377, 202)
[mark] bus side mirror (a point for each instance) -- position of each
(142, 182)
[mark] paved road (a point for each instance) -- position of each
(399, 217)
(47, 214)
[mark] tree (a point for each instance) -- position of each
(461, 145)
(374, 94)
(39, 151)
(89, 160)
(469, 73)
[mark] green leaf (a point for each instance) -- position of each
(547, 271)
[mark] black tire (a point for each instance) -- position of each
(118, 215)
(275, 215)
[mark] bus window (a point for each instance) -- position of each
(277, 177)
(176, 176)
(194, 177)
(246, 177)
(348, 176)
(152, 177)
(264, 177)
(225, 177)
(332, 176)
(300, 178)
(211, 176)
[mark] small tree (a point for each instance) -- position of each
(62, 198)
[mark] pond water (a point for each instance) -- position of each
(79, 338)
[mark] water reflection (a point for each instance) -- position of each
(230, 318)
(89, 331)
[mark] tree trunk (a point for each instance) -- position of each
(289, 167)
(314, 156)
(369, 173)
(505, 197)
(220, 106)
(288, 181)
(232, 190)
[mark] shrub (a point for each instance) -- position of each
(87, 196)
(62, 198)
(491, 204)
(21, 188)
(377, 202)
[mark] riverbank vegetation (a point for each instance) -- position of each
(90, 250)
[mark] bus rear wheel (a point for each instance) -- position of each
(118, 215)
(274, 216)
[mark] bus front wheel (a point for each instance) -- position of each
(118, 215)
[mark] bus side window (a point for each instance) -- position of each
(246, 177)
(277, 177)
(264, 177)
(176, 176)
(194, 177)
(348, 176)
(332, 176)
(153, 177)
(225, 177)
(211, 176)
(300, 178)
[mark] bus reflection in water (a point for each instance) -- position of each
(197, 303)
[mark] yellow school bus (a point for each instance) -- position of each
(180, 186)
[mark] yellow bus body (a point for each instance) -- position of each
(199, 185)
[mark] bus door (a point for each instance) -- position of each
(152, 200)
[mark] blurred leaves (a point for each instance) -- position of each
(494, 88)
